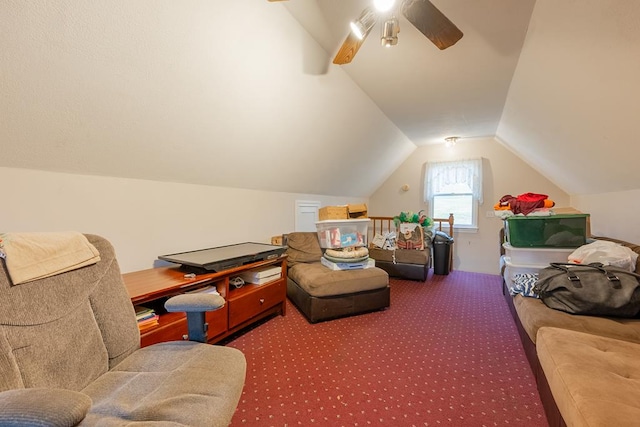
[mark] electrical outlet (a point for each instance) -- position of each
(490, 214)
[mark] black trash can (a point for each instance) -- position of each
(441, 252)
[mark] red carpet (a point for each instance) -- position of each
(445, 353)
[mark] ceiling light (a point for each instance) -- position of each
(383, 5)
(390, 31)
(363, 24)
(450, 141)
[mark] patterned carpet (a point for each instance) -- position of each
(445, 353)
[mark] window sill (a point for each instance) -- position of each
(470, 229)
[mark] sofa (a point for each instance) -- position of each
(587, 368)
(324, 294)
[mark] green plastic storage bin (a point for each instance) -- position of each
(555, 231)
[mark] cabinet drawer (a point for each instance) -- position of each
(175, 330)
(217, 321)
(252, 303)
(163, 333)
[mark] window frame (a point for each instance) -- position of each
(473, 173)
(456, 224)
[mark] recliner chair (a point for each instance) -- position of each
(70, 355)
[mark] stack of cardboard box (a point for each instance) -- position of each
(355, 211)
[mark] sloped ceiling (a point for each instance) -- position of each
(574, 100)
(428, 93)
(242, 93)
(198, 91)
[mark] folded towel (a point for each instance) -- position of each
(32, 256)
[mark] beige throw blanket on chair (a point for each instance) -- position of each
(32, 256)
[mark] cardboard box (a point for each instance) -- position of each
(357, 211)
(333, 212)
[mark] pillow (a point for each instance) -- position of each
(39, 407)
(303, 247)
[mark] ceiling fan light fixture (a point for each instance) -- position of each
(422, 14)
(450, 141)
(383, 5)
(362, 26)
(390, 31)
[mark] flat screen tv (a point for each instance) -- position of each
(224, 257)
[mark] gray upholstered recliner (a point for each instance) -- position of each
(70, 354)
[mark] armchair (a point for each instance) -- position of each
(70, 355)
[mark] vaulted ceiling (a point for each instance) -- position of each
(243, 94)
(429, 93)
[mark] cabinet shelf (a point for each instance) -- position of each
(244, 305)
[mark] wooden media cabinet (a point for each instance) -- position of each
(244, 306)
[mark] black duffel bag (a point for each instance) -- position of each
(591, 289)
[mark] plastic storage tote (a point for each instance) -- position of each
(536, 255)
(559, 231)
(511, 269)
(342, 233)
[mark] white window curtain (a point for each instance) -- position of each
(450, 177)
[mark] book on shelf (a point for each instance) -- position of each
(148, 323)
(143, 312)
(146, 317)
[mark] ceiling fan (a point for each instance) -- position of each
(422, 14)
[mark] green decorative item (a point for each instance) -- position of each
(417, 218)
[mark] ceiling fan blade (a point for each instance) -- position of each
(352, 43)
(348, 49)
(431, 22)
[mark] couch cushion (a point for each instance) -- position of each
(303, 247)
(319, 281)
(595, 381)
(52, 407)
(75, 355)
(83, 319)
(402, 256)
(177, 382)
(533, 315)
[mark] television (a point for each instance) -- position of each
(224, 257)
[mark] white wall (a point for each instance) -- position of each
(575, 95)
(504, 173)
(195, 91)
(144, 219)
(612, 214)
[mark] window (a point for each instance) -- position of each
(454, 187)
